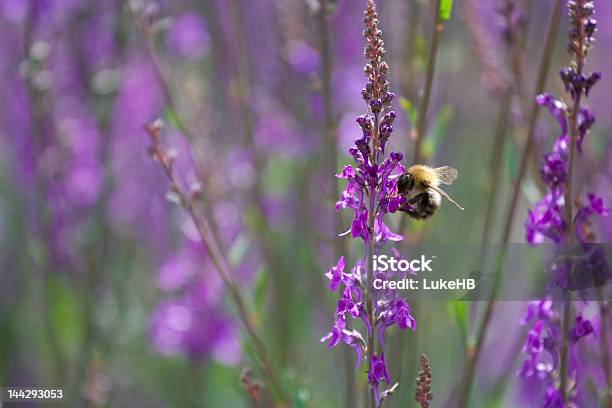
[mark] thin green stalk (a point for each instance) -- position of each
(567, 313)
(368, 293)
(330, 159)
(410, 56)
(420, 128)
(218, 259)
(603, 346)
(205, 226)
(36, 111)
(369, 256)
(330, 139)
(280, 282)
(424, 103)
(568, 198)
(431, 67)
(473, 355)
(495, 170)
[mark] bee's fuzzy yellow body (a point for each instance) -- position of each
(424, 175)
(420, 185)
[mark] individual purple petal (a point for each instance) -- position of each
(553, 169)
(403, 317)
(383, 233)
(335, 273)
(359, 227)
(188, 36)
(347, 172)
(378, 370)
(582, 328)
(583, 218)
(546, 220)
(585, 120)
(540, 309)
(335, 335)
(553, 398)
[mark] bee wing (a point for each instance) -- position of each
(446, 174)
(439, 190)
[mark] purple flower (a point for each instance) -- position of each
(541, 347)
(188, 36)
(539, 309)
(585, 120)
(383, 233)
(553, 398)
(584, 215)
(303, 58)
(553, 169)
(546, 220)
(403, 318)
(556, 108)
(359, 227)
(582, 329)
(335, 274)
(378, 370)
(392, 312)
(192, 326)
(534, 344)
(339, 333)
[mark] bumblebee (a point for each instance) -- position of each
(420, 185)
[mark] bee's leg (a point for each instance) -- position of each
(414, 206)
(419, 207)
(419, 199)
(410, 210)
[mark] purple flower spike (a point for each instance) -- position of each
(545, 344)
(371, 194)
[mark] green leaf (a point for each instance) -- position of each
(173, 119)
(511, 159)
(411, 112)
(260, 289)
(458, 311)
(438, 131)
(446, 7)
(65, 313)
(279, 175)
(238, 249)
(441, 122)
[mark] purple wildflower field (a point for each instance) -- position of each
(319, 203)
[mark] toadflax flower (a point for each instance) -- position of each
(370, 194)
(552, 336)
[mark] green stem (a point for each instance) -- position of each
(568, 198)
(567, 312)
(431, 67)
(330, 160)
(369, 256)
(424, 103)
(603, 345)
(495, 170)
